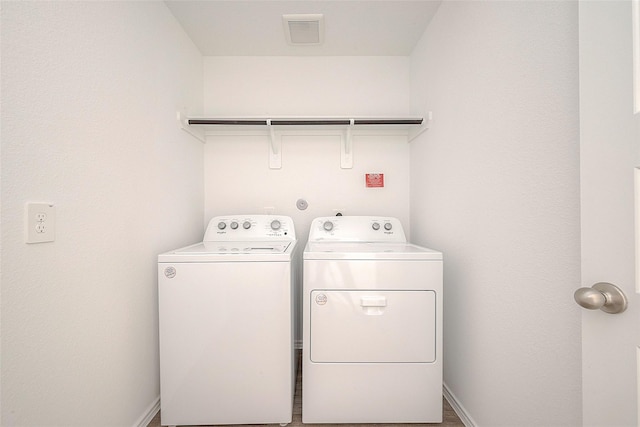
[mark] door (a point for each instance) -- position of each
(609, 156)
(361, 326)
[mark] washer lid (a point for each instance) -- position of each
(369, 250)
(231, 251)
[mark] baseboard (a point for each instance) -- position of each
(148, 414)
(466, 419)
(457, 407)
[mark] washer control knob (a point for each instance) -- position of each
(328, 225)
(246, 225)
(375, 226)
(234, 225)
(388, 226)
(275, 224)
(222, 225)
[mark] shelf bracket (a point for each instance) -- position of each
(426, 124)
(346, 148)
(183, 122)
(275, 148)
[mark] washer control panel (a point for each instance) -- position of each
(356, 229)
(250, 228)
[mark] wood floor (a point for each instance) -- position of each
(449, 417)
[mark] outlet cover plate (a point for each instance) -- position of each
(40, 222)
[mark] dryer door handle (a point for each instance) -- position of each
(373, 305)
(373, 301)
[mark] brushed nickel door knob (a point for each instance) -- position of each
(604, 296)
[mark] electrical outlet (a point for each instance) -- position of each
(40, 222)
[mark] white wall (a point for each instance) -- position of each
(495, 186)
(237, 174)
(299, 86)
(89, 98)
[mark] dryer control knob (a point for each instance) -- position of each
(275, 224)
(234, 225)
(328, 225)
(222, 225)
(375, 226)
(388, 226)
(246, 225)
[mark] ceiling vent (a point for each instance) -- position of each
(304, 29)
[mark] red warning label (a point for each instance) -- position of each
(374, 180)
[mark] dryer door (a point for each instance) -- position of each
(373, 326)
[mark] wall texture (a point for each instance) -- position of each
(89, 98)
(495, 186)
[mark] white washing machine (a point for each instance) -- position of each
(372, 324)
(226, 324)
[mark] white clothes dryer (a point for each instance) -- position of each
(226, 308)
(372, 324)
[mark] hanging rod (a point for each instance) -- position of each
(238, 122)
(387, 121)
(304, 122)
(307, 122)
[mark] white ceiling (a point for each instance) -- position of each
(352, 27)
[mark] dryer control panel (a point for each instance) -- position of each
(356, 229)
(250, 228)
